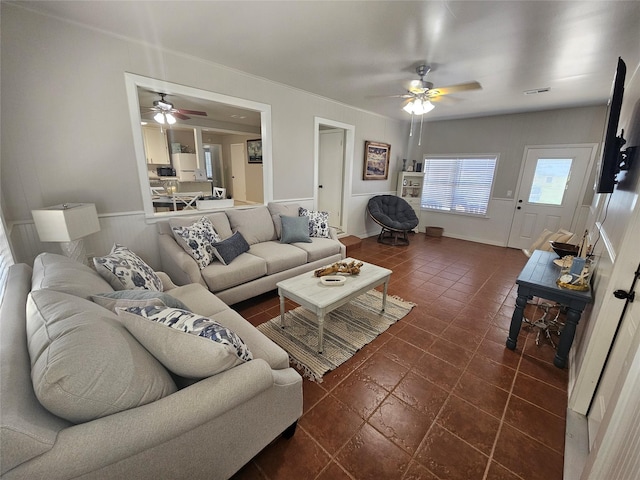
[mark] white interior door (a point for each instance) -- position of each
(239, 184)
(331, 174)
(551, 188)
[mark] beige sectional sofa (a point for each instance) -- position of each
(257, 271)
(119, 413)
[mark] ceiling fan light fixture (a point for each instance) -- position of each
(159, 117)
(418, 107)
(170, 118)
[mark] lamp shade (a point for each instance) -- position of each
(66, 222)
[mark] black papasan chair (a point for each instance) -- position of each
(395, 216)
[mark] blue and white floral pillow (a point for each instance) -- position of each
(318, 222)
(197, 240)
(195, 324)
(124, 270)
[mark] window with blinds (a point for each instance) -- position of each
(458, 184)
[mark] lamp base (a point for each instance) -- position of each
(75, 250)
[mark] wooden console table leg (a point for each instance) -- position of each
(566, 337)
(516, 321)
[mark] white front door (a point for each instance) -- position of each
(330, 174)
(238, 182)
(551, 189)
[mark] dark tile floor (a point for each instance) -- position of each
(437, 396)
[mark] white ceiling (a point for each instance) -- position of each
(358, 53)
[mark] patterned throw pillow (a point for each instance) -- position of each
(136, 298)
(318, 222)
(194, 324)
(197, 240)
(124, 270)
(230, 248)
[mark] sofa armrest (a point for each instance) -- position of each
(178, 264)
(333, 233)
(167, 283)
(131, 432)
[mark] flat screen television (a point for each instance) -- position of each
(609, 164)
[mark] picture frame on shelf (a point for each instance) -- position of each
(376, 160)
(254, 150)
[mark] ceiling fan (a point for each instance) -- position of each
(421, 93)
(163, 111)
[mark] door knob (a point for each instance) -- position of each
(319, 186)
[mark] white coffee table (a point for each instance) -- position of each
(308, 291)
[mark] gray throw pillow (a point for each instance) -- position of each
(295, 229)
(136, 298)
(230, 248)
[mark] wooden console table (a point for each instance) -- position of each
(538, 279)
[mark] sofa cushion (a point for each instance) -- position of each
(188, 344)
(294, 229)
(198, 299)
(318, 222)
(197, 240)
(219, 220)
(243, 269)
(255, 224)
(230, 248)
(319, 248)
(279, 256)
(84, 363)
(136, 298)
(123, 269)
(60, 273)
(277, 209)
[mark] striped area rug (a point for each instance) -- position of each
(346, 330)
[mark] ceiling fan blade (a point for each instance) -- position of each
(461, 87)
(179, 115)
(190, 112)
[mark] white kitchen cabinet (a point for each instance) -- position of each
(185, 165)
(156, 148)
(410, 188)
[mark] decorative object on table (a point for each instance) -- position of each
(68, 224)
(564, 249)
(254, 150)
(404, 164)
(343, 268)
(343, 335)
(333, 280)
(418, 167)
(413, 166)
(576, 270)
(376, 160)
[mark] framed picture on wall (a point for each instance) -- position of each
(254, 151)
(376, 160)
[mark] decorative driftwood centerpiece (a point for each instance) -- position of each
(344, 268)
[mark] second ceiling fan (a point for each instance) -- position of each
(163, 111)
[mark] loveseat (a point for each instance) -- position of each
(82, 398)
(271, 255)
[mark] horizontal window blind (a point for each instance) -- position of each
(458, 184)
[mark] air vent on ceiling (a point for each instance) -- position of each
(535, 91)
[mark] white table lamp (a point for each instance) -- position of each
(67, 223)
